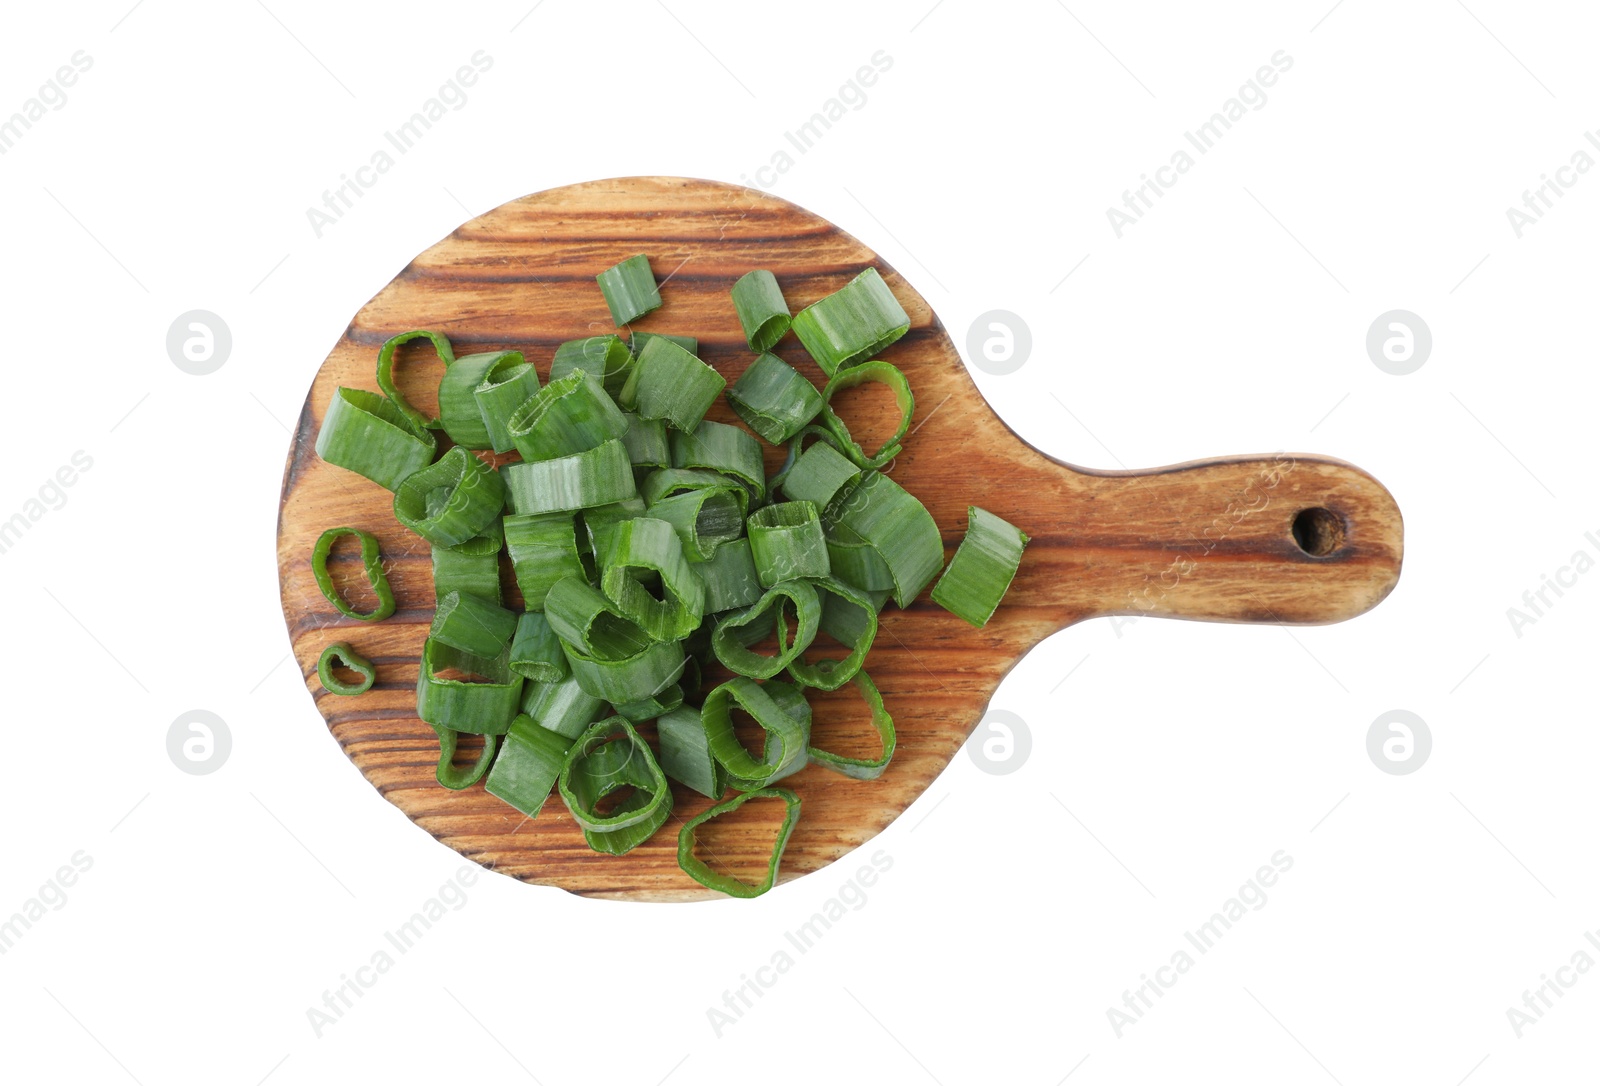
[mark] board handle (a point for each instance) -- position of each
(1288, 539)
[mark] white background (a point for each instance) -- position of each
(1170, 765)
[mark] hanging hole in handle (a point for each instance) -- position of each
(1318, 531)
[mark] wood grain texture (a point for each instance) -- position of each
(1210, 540)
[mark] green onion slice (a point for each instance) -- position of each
(738, 630)
(646, 441)
(471, 568)
(717, 446)
(459, 413)
(482, 700)
(639, 339)
(342, 655)
(698, 870)
(451, 500)
(774, 399)
(641, 676)
(472, 624)
(599, 476)
(850, 618)
(371, 562)
(646, 544)
(580, 615)
(630, 289)
(850, 378)
(605, 358)
(506, 386)
(863, 769)
(608, 758)
(818, 475)
(441, 348)
(982, 569)
(365, 433)
(787, 734)
(686, 752)
(562, 707)
(704, 519)
(857, 564)
(571, 414)
(536, 650)
(851, 324)
(598, 522)
(669, 383)
(899, 527)
(763, 314)
(671, 481)
(457, 777)
(730, 577)
(787, 543)
(527, 766)
(543, 549)
(652, 707)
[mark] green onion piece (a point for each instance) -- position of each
(450, 500)
(506, 386)
(704, 519)
(649, 544)
(652, 707)
(562, 707)
(580, 615)
(850, 618)
(536, 650)
(982, 570)
(571, 414)
(471, 568)
(686, 752)
(543, 549)
(598, 522)
(369, 435)
(472, 624)
(483, 701)
(787, 543)
(630, 289)
(605, 358)
(609, 757)
(646, 441)
(441, 348)
(863, 769)
(857, 564)
(669, 383)
(599, 476)
(672, 481)
(639, 339)
(852, 324)
(700, 872)
(899, 528)
(457, 777)
(342, 655)
(850, 378)
(371, 562)
(763, 314)
(641, 676)
(459, 415)
(730, 577)
(774, 399)
(738, 630)
(787, 735)
(818, 475)
(527, 766)
(717, 446)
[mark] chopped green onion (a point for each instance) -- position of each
(484, 702)
(652, 707)
(700, 872)
(852, 324)
(818, 475)
(730, 577)
(763, 314)
(459, 412)
(581, 616)
(850, 378)
(787, 543)
(527, 766)
(704, 519)
(639, 339)
(341, 654)
(630, 289)
(457, 777)
(369, 435)
(571, 414)
(543, 549)
(646, 441)
(774, 399)
(371, 562)
(671, 481)
(598, 522)
(506, 386)
(599, 476)
(605, 358)
(686, 752)
(786, 734)
(649, 544)
(982, 569)
(471, 568)
(609, 757)
(899, 528)
(738, 630)
(536, 650)
(441, 348)
(450, 500)
(862, 769)
(562, 707)
(669, 383)
(717, 446)
(640, 676)
(472, 624)
(851, 619)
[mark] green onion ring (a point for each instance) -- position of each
(340, 654)
(371, 562)
(451, 500)
(700, 872)
(862, 769)
(883, 373)
(737, 630)
(441, 348)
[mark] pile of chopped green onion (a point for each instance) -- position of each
(646, 541)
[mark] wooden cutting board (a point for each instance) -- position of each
(1225, 540)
